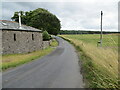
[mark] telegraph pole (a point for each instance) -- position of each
(101, 30)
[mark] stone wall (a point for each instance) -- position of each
(46, 44)
(21, 41)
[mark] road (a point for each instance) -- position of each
(59, 69)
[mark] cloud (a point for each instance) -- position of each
(84, 14)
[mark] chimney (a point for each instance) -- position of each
(19, 14)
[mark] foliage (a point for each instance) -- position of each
(16, 17)
(50, 37)
(54, 43)
(99, 65)
(41, 19)
(46, 36)
(84, 32)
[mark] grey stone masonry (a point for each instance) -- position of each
(46, 44)
(20, 41)
(16, 40)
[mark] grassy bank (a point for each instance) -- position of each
(54, 43)
(99, 64)
(13, 60)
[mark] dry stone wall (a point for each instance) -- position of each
(46, 44)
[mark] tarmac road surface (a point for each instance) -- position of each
(59, 69)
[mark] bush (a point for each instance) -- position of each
(46, 36)
(51, 37)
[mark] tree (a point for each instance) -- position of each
(16, 17)
(41, 19)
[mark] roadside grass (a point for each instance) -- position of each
(13, 60)
(99, 65)
(54, 43)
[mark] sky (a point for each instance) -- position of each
(73, 14)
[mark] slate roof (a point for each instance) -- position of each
(12, 25)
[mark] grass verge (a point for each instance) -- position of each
(13, 60)
(54, 43)
(99, 66)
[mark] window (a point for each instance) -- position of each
(32, 36)
(14, 37)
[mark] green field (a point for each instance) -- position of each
(109, 41)
(99, 64)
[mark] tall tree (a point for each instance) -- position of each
(41, 19)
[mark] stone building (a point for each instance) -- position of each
(19, 40)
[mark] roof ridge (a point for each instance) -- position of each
(15, 22)
(21, 24)
(9, 21)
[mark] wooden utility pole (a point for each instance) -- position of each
(101, 30)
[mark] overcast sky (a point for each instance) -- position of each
(74, 15)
